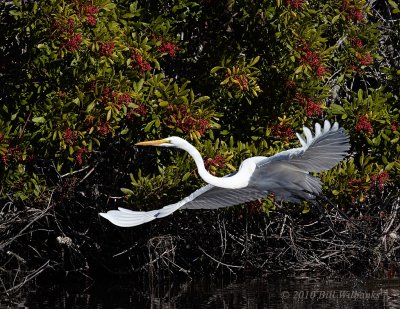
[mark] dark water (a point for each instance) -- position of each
(272, 292)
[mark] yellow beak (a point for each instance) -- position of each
(153, 143)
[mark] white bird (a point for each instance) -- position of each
(286, 174)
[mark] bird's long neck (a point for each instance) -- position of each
(234, 182)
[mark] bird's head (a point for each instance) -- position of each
(172, 141)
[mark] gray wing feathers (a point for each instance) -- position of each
(318, 153)
(211, 197)
(287, 173)
(208, 197)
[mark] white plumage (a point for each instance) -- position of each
(286, 174)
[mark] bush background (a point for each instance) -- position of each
(82, 81)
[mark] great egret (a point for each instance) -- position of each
(286, 174)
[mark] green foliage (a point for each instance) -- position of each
(237, 78)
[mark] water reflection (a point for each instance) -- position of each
(273, 292)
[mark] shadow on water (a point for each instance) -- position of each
(271, 292)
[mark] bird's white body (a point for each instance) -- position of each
(286, 174)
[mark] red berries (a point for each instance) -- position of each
(364, 125)
(218, 160)
(282, 131)
(91, 11)
(380, 180)
(296, 4)
(79, 155)
(182, 119)
(311, 108)
(168, 48)
(106, 49)
(70, 136)
(72, 44)
(365, 59)
(312, 58)
(139, 63)
(356, 42)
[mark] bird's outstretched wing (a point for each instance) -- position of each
(285, 174)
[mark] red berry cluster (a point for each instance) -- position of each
(10, 153)
(141, 110)
(364, 125)
(355, 184)
(91, 20)
(72, 43)
(184, 120)
(65, 29)
(119, 99)
(353, 13)
(356, 42)
(107, 49)
(103, 128)
(312, 58)
(16, 154)
(107, 95)
(255, 207)
(365, 59)
(89, 11)
(70, 136)
(394, 126)
(139, 63)
(296, 4)
(311, 108)
(379, 181)
(79, 155)
(90, 120)
(168, 48)
(64, 26)
(290, 84)
(218, 160)
(123, 99)
(282, 131)
(240, 80)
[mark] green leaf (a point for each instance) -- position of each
(90, 107)
(163, 103)
(215, 69)
(335, 18)
(38, 119)
(254, 61)
(148, 126)
(127, 191)
(201, 99)
(186, 176)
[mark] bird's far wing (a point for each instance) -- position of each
(319, 152)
